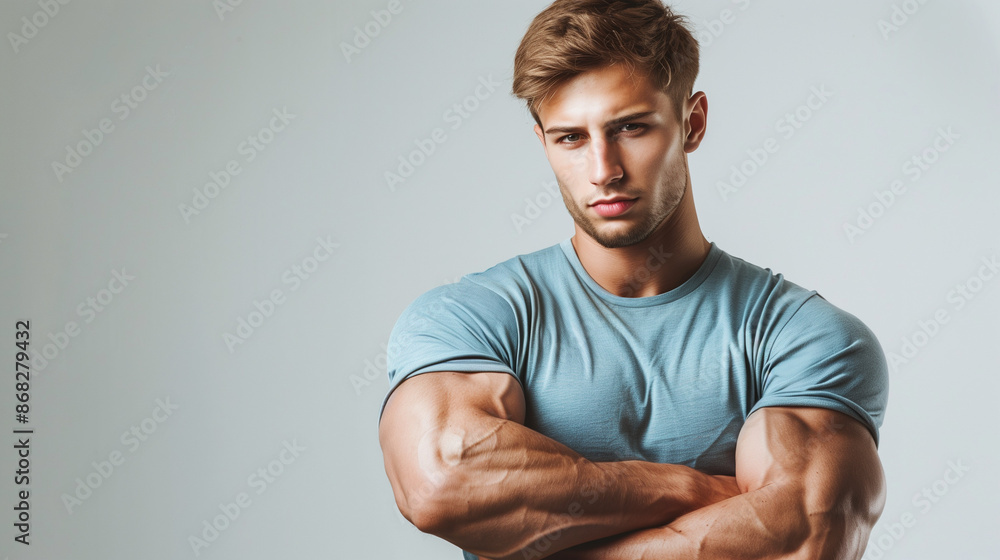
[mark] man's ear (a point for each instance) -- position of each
(695, 121)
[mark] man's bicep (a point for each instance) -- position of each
(827, 458)
(426, 403)
(416, 414)
(436, 393)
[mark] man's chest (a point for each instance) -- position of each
(617, 394)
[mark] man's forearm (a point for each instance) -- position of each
(814, 488)
(758, 525)
(501, 488)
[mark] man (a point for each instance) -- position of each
(634, 391)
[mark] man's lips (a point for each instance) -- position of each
(611, 200)
(614, 207)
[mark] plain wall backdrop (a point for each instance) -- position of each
(197, 221)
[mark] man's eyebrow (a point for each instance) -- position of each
(610, 124)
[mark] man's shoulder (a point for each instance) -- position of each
(753, 283)
(510, 278)
(795, 312)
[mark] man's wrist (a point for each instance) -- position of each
(654, 494)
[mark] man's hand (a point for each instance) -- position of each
(812, 484)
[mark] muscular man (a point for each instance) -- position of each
(634, 391)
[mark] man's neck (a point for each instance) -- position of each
(662, 262)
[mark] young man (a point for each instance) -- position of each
(633, 391)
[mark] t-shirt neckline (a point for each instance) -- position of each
(689, 285)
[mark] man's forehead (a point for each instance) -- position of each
(602, 94)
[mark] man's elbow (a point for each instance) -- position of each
(437, 495)
(433, 509)
(427, 519)
(840, 534)
(425, 476)
(830, 538)
(842, 515)
(425, 503)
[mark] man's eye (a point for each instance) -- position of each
(569, 138)
(635, 127)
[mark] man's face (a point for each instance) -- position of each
(609, 135)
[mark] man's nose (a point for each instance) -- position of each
(605, 163)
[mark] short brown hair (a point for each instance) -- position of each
(573, 36)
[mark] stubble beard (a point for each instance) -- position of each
(676, 185)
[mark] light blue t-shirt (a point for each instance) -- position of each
(669, 378)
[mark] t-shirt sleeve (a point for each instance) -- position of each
(463, 327)
(827, 358)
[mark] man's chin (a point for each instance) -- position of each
(618, 243)
(617, 239)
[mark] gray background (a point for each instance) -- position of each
(312, 372)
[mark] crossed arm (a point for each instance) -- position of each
(811, 487)
(463, 467)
